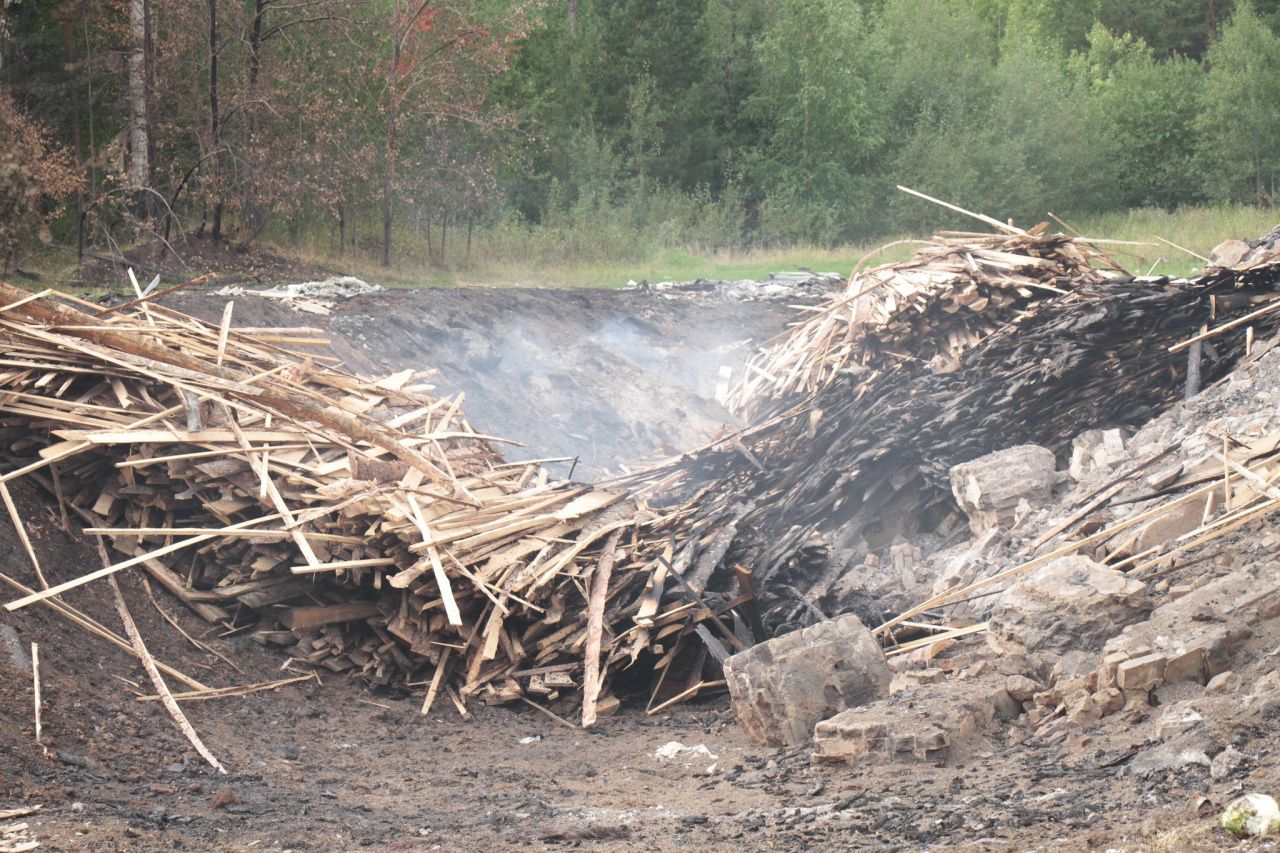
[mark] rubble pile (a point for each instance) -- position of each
(779, 285)
(1113, 595)
(864, 463)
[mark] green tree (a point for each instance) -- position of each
(822, 120)
(1147, 106)
(1238, 123)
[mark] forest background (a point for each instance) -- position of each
(568, 141)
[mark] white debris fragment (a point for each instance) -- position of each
(674, 752)
(525, 741)
(1251, 815)
(315, 297)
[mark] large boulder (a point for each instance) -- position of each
(781, 688)
(1070, 603)
(990, 488)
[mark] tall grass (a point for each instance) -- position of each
(1198, 229)
(686, 237)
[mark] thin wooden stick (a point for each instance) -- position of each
(22, 533)
(685, 694)
(74, 616)
(925, 642)
(153, 296)
(224, 328)
(35, 686)
(436, 678)
(1226, 327)
(204, 647)
(552, 714)
(1184, 249)
(228, 692)
(112, 568)
(156, 679)
(994, 223)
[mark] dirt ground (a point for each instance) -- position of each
(332, 765)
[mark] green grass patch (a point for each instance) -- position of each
(1198, 229)
(567, 258)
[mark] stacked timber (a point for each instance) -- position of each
(363, 525)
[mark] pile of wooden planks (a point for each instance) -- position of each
(363, 525)
(957, 289)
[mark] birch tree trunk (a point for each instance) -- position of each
(136, 72)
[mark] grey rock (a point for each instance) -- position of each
(14, 648)
(990, 488)
(781, 688)
(1071, 603)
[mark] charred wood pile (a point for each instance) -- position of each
(975, 344)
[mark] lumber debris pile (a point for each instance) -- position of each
(864, 459)
(957, 289)
(363, 525)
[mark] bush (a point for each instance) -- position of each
(35, 175)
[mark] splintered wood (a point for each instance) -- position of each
(954, 292)
(859, 412)
(362, 525)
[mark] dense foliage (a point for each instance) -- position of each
(707, 122)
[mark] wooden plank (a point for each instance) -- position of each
(592, 680)
(299, 619)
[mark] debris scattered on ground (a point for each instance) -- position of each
(313, 297)
(697, 758)
(225, 796)
(782, 285)
(15, 833)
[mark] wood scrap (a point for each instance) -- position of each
(157, 680)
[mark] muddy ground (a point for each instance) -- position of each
(332, 765)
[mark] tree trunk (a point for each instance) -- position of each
(149, 81)
(68, 34)
(470, 222)
(388, 189)
(215, 130)
(444, 233)
(136, 84)
(255, 43)
(393, 105)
